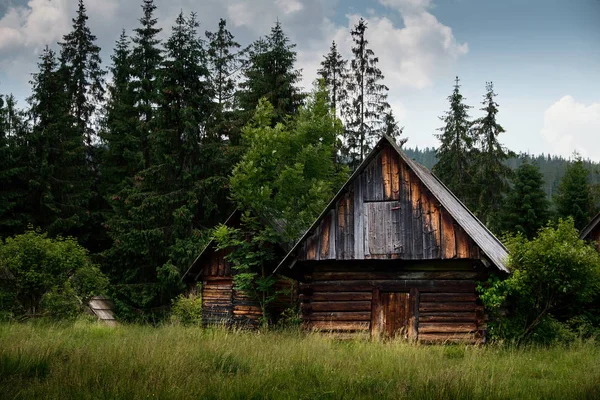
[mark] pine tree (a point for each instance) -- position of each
(455, 152)
(271, 74)
(224, 59)
(12, 168)
(334, 71)
(81, 63)
(368, 97)
(574, 195)
(526, 208)
(392, 129)
(59, 190)
(146, 59)
(490, 172)
(121, 158)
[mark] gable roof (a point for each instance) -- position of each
(590, 227)
(493, 249)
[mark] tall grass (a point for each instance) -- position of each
(90, 361)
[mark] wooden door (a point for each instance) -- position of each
(394, 314)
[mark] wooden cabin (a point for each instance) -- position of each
(211, 276)
(395, 253)
(592, 231)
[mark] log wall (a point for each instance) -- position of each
(338, 296)
(388, 213)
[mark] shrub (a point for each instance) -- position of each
(44, 276)
(187, 310)
(553, 277)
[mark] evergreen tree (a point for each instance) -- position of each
(368, 97)
(455, 153)
(12, 183)
(81, 64)
(59, 190)
(271, 74)
(526, 208)
(121, 156)
(146, 59)
(574, 195)
(334, 72)
(491, 174)
(392, 129)
(224, 60)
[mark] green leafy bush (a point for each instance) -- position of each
(553, 277)
(187, 310)
(46, 277)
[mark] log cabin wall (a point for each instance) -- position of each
(341, 297)
(223, 305)
(388, 213)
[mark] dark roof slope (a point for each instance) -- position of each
(487, 242)
(590, 227)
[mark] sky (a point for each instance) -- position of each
(543, 56)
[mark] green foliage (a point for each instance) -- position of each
(553, 277)
(491, 174)
(43, 276)
(526, 208)
(187, 310)
(367, 97)
(574, 195)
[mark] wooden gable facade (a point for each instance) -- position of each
(592, 231)
(395, 253)
(211, 276)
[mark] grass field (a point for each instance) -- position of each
(90, 361)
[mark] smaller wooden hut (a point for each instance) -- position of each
(211, 276)
(395, 253)
(592, 231)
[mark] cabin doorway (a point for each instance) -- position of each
(394, 315)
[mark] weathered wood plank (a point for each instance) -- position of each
(430, 327)
(325, 236)
(393, 275)
(448, 297)
(330, 306)
(338, 326)
(445, 286)
(337, 316)
(447, 317)
(426, 307)
(339, 296)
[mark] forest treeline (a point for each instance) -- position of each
(140, 158)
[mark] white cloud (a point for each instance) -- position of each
(289, 6)
(571, 126)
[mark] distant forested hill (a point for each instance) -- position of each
(552, 167)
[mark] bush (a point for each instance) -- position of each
(187, 310)
(46, 277)
(553, 277)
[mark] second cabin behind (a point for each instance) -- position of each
(395, 253)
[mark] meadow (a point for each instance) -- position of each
(85, 360)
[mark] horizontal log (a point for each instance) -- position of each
(447, 327)
(425, 307)
(393, 275)
(458, 286)
(253, 314)
(337, 316)
(246, 308)
(447, 317)
(217, 287)
(214, 279)
(360, 266)
(338, 326)
(338, 306)
(448, 297)
(337, 296)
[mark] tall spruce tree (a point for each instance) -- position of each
(367, 97)
(392, 129)
(13, 187)
(334, 71)
(455, 153)
(121, 155)
(57, 172)
(574, 194)
(146, 59)
(490, 173)
(526, 207)
(224, 59)
(81, 63)
(270, 74)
